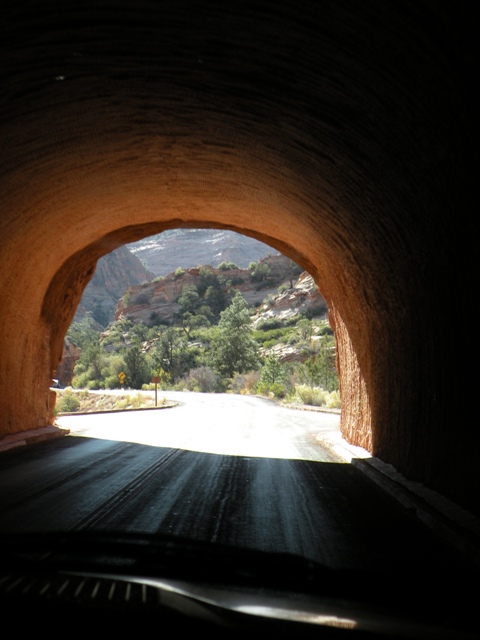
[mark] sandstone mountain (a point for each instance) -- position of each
(115, 273)
(157, 301)
(188, 248)
(285, 293)
(159, 255)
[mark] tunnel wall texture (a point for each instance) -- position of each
(342, 133)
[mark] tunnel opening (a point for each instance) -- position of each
(67, 283)
(163, 328)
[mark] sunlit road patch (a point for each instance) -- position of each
(215, 423)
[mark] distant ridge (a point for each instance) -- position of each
(114, 274)
(159, 255)
(190, 248)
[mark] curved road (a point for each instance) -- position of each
(234, 469)
(216, 423)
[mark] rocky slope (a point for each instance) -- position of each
(64, 372)
(160, 255)
(115, 273)
(157, 301)
(303, 297)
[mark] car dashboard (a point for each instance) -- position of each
(127, 582)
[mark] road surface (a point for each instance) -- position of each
(237, 470)
(216, 423)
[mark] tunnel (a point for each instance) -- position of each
(343, 134)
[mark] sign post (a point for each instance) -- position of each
(156, 380)
(121, 377)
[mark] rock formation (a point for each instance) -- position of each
(187, 248)
(114, 274)
(156, 301)
(303, 297)
(64, 373)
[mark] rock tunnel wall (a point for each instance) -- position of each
(343, 134)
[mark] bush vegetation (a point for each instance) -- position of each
(210, 347)
(68, 402)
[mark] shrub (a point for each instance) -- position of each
(315, 311)
(306, 394)
(142, 298)
(271, 335)
(275, 389)
(227, 266)
(267, 325)
(203, 379)
(130, 402)
(94, 384)
(326, 331)
(268, 344)
(155, 320)
(333, 400)
(137, 401)
(245, 383)
(122, 404)
(80, 381)
(112, 382)
(68, 401)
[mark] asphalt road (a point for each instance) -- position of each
(233, 469)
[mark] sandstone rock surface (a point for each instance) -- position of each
(187, 248)
(114, 274)
(159, 298)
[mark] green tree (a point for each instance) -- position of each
(272, 377)
(114, 364)
(258, 271)
(136, 367)
(207, 279)
(272, 371)
(295, 270)
(190, 321)
(82, 333)
(215, 299)
(88, 369)
(171, 354)
(189, 300)
(138, 333)
(233, 349)
(310, 372)
(320, 369)
(327, 360)
(305, 328)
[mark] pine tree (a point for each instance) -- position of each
(272, 371)
(233, 348)
(136, 367)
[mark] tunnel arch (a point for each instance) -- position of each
(345, 133)
(61, 299)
